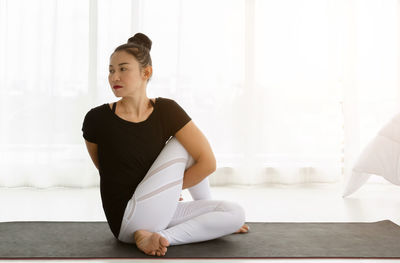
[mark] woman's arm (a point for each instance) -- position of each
(92, 149)
(199, 148)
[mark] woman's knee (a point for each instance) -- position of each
(237, 211)
(189, 162)
(175, 147)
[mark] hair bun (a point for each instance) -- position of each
(141, 40)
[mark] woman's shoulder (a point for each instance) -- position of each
(98, 110)
(171, 107)
(166, 101)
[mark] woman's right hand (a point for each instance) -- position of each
(180, 198)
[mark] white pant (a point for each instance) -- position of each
(155, 207)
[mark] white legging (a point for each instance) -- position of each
(155, 204)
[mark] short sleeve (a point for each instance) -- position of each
(89, 127)
(176, 117)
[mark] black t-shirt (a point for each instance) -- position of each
(126, 150)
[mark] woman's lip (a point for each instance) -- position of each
(117, 87)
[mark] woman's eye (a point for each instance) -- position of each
(112, 71)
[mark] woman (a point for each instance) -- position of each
(147, 151)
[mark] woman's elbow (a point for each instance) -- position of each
(209, 164)
(213, 165)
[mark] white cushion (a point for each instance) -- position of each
(380, 157)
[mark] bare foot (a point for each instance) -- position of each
(151, 243)
(244, 229)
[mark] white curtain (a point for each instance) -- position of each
(286, 91)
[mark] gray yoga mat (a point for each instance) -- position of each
(264, 240)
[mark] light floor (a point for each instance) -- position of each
(270, 203)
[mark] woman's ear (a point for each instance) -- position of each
(147, 72)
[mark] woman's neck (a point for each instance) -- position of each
(134, 106)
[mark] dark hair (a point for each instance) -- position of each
(138, 46)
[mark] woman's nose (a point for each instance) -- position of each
(115, 77)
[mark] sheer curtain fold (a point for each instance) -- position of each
(285, 91)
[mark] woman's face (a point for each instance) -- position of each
(125, 76)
